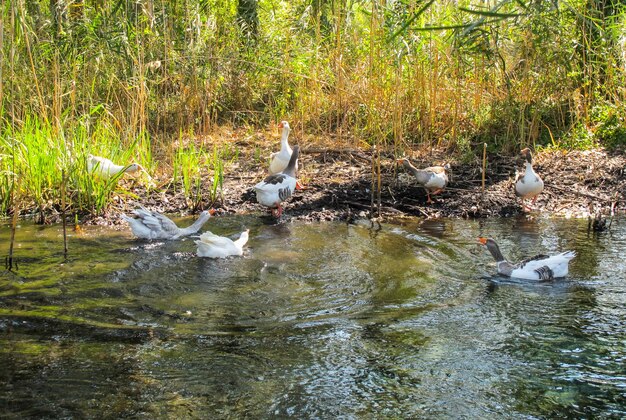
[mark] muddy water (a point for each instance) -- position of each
(315, 321)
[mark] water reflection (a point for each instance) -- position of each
(318, 320)
(434, 227)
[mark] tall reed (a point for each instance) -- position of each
(110, 77)
(428, 73)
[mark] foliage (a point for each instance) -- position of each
(187, 173)
(37, 157)
(609, 127)
(390, 71)
(396, 74)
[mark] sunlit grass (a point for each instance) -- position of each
(401, 75)
(449, 75)
(216, 162)
(38, 156)
(187, 171)
(192, 163)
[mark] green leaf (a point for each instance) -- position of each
(409, 21)
(489, 13)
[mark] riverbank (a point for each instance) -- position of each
(339, 183)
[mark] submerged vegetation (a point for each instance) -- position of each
(122, 79)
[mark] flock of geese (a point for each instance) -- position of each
(280, 184)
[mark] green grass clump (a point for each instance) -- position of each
(578, 138)
(37, 156)
(187, 173)
(609, 126)
(191, 163)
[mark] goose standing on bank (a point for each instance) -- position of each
(434, 178)
(106, 169)
(539, 267)
(280, 160)
(152, 225)
(528, 185)
(214, 246)
(276, 188)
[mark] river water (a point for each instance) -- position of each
(404, 320)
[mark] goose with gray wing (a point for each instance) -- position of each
(539, 267)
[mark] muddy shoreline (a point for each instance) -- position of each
(339, 183)
(338, 187)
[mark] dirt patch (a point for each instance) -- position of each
(339, 184)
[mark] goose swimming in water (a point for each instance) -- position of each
(214, 246)
(539, 267)
(152, 225)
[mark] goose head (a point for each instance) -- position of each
(286, 129)
(209, 213)
(133, 167)
(408, 165)
(493, 248)
(527, 155)
(204, 216)
(285, 126)
(404, 161)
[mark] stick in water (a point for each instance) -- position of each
(484, 166)
(63, 214)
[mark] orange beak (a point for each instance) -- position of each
(482, 241)
(280, 125)
(212, 211)
(299, 186)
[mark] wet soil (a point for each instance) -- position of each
(339, 183)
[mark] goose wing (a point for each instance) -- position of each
(272, 183)
(532, 260)
(274, 179)
(209, 238)
(436, 169)
(157, 221)
(167, 225)
(544, 267)
(436, 178)
(139, 229)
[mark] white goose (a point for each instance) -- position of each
(528, 184)
(277, 188)
(434, 178)
(152, 225)
(539, 267)
(280, 160)
(105, 168)
(214, 246)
